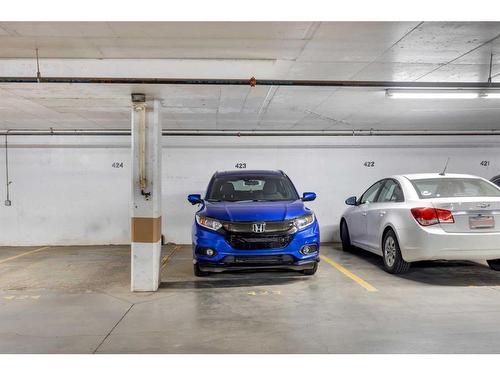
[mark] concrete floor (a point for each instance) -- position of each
(77, 300)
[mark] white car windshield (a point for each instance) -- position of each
(454, 187)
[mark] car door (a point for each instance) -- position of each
(361, 213)
(389, 197)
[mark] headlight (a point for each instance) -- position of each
(208, 222)
(304, 221)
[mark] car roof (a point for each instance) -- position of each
(419, 176)
(249, 172)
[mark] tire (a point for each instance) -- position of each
(344, 237)
(393, 260)
(494, 264)
(198, 272)
(311, 271)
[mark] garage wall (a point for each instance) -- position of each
(65, 190)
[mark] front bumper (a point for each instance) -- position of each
(229, 258)
(433, 243)
(231, 265)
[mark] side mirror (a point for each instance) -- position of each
(308, 196)
(351, 201)
(194, 199)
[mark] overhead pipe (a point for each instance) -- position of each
(63, 132)
(251, 82)
(327, 133)
(250, 133)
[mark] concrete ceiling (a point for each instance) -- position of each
(393, 51)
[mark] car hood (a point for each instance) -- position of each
(254, 211)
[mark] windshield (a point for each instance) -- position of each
(454, 187)
(251, 188)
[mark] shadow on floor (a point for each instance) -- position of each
(440, 273)
(452, 273)
(236, 279)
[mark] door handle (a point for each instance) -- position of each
(382, 213)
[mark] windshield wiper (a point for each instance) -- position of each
(272, 200)
(248, 200)
(227, 200)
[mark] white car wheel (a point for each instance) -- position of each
(390, 251)
(393, 260)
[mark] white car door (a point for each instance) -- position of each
(390, 196)
(361, 215)
(354, 223)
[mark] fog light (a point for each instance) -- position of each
(308, 249)
(206, 252)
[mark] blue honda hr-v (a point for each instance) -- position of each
(254, 219)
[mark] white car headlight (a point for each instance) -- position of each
(208, 222)
(304, 221)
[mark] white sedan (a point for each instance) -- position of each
(415, 217)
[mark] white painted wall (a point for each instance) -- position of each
(65, 191)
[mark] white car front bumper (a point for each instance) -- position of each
(433, 243)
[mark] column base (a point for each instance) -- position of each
(145, 272)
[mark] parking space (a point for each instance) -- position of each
(77, 299)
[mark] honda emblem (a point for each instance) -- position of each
(258, 227)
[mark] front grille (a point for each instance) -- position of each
(269, 226)
(267, 260)
(249, 241)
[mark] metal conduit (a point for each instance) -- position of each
(247, 133)
(251, 82)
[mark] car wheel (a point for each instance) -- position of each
(198, 272)
(311, 271)
(344, 237)
(494, 264)
(393, 260)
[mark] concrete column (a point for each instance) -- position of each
(146, 194)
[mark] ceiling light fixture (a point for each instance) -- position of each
(432, 94)
(490, 95)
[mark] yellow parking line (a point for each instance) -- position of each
(166, 258)
(23, 254)
(349, 274)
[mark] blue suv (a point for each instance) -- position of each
(254, 219)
